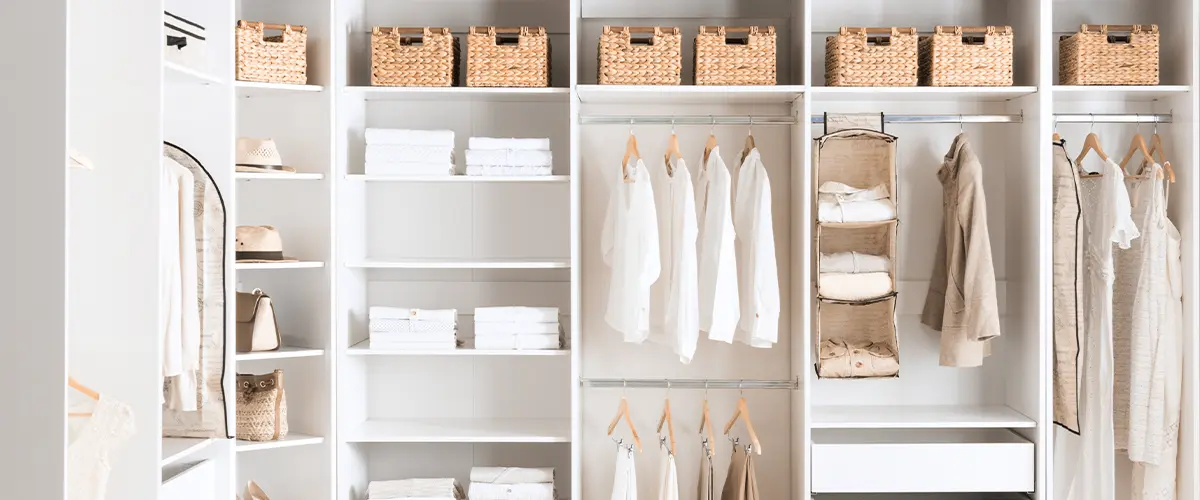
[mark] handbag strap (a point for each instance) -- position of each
(278, 403)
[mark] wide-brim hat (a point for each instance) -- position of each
(260, 244)
(260, 156)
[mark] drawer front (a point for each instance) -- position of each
(922, 467)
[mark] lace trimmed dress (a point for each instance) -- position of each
(88, 456)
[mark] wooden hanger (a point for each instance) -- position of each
(1156, 146)
(1136, 143)
(749, 140)
(666, 418)
(743, 412)
(623, 412)
(631, 150)
(87, 391)
(709, 145)
(707, 427)
(1090, 143)
(77, 160)
(672, 149)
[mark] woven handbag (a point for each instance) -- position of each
(967, 56)
(871, 57)
(508, 57)
(414, 57)
(735, 55)
(640, 56)
(261, 407)
(1110, 55)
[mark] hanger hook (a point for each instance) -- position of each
(1156, 125)
(1093, 126)
(668, 381)
(1138, 118)
(740, 393)
(960, 124)
(712, 127)
(672, 125)
(624, 385)
(750, 129)
(630, 125)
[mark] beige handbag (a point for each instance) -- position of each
(261, 407)
(256, 326)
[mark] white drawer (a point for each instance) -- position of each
(190, 482)
(921, 460)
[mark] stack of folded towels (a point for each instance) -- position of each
(500, 157)
(424, 489)
(854, 276)
(409, 152)
(401, 328)
(517, 328)
(512, 483)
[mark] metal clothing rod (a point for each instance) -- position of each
(686, 120)
(691, 383)
(937, 118)
(1113, 118)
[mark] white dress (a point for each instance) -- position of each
(629, 244)
(1106, 220)
(758, 277)
(719, 307)
(624, 475)
(89, 455)
(674, 298)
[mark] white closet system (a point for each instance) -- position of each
(358, 415)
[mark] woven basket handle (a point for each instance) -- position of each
(877, 31)
(1131, 28)
(629, 31)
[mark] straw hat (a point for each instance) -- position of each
(260, 244)
(260, 156)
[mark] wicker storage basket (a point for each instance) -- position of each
(957, 56)
(508, 57)
(261, 407)
(735, 56)
(414, 57)
(640, 56)
(1110, 55)
(871, 57)
(871, 322)
(272, 59)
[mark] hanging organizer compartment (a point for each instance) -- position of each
(735, 55)
(871, 57)
(508, 57)
(414, 57)
(967, 56)
(272, 59)
(1110, 55)
(867, 244)
(640, 56)
(857, 340)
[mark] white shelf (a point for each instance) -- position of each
(1120, 93)
(285, 352)
(462, 430)
(689, 94)
(460, 93)
(462, 264)
(254, 176)
(918, 417)
(247, 266)
(364, 349)
(176, 449)
(952, 94)
(247, 89)
(179, 74)
(458, 178)
(291, 440)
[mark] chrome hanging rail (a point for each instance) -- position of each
(754, 120)
(690, 383)
(1112, 118)
(964, 118)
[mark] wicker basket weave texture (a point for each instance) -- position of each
(525, 63)
(862, 57)
(1095, 56)
(258, 396)
(397, 59)
(272, 59)
(719, 62)
(656, 59)
(947, 60)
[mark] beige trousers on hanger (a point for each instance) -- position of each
(740, 484)
(705, 490)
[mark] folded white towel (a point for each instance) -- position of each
(423, 169)
(434, 337)
(512, 327)
(447, 489)
(385, 312)
(407, 326)
(861, 286)
(410, 137)
(403, 153)
(854, 262)
(528, 491)
(517, 313)
(520, 342)
(503, 143)
(837, 202)
(441, 345)
(501, 171)
(510, 157)
(512, 475)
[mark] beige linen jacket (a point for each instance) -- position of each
(962, 292)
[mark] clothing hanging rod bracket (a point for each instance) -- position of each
(709, 120)
(944, 118)
(697, 383)
(1112, 118)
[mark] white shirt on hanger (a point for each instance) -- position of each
(629, 243)
(180, 306)
(758, 278)
(717, 264)
(674, 298)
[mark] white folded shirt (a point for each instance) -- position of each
(447, 489)
(415, 346)
(520, 342)
(500, 171)
(512, 475)
(510, 157)
(512, 327)
(861, 286)
(527, 491)
(410, 137)
(404, 153)
(502, 143)
(385, 312)
(409, 326)
(837, 202)
(854, 262)
(422, 169)
(389, 337)
(517, 313)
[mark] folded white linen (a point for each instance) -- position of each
(861, 286)
(399, 168)
(519, 342)
(414, 346)
(517, 313)
(854, 262)
(386, 312)
(389, 337)
(837, 202)
(527, 491)
(503, 143)
(405, 153)
(512, 475)
(510, 157)
(511, 327)
(406, 326)
(410, 137)
(501, 171)
(447, 488)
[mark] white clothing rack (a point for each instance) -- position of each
(688, 383)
